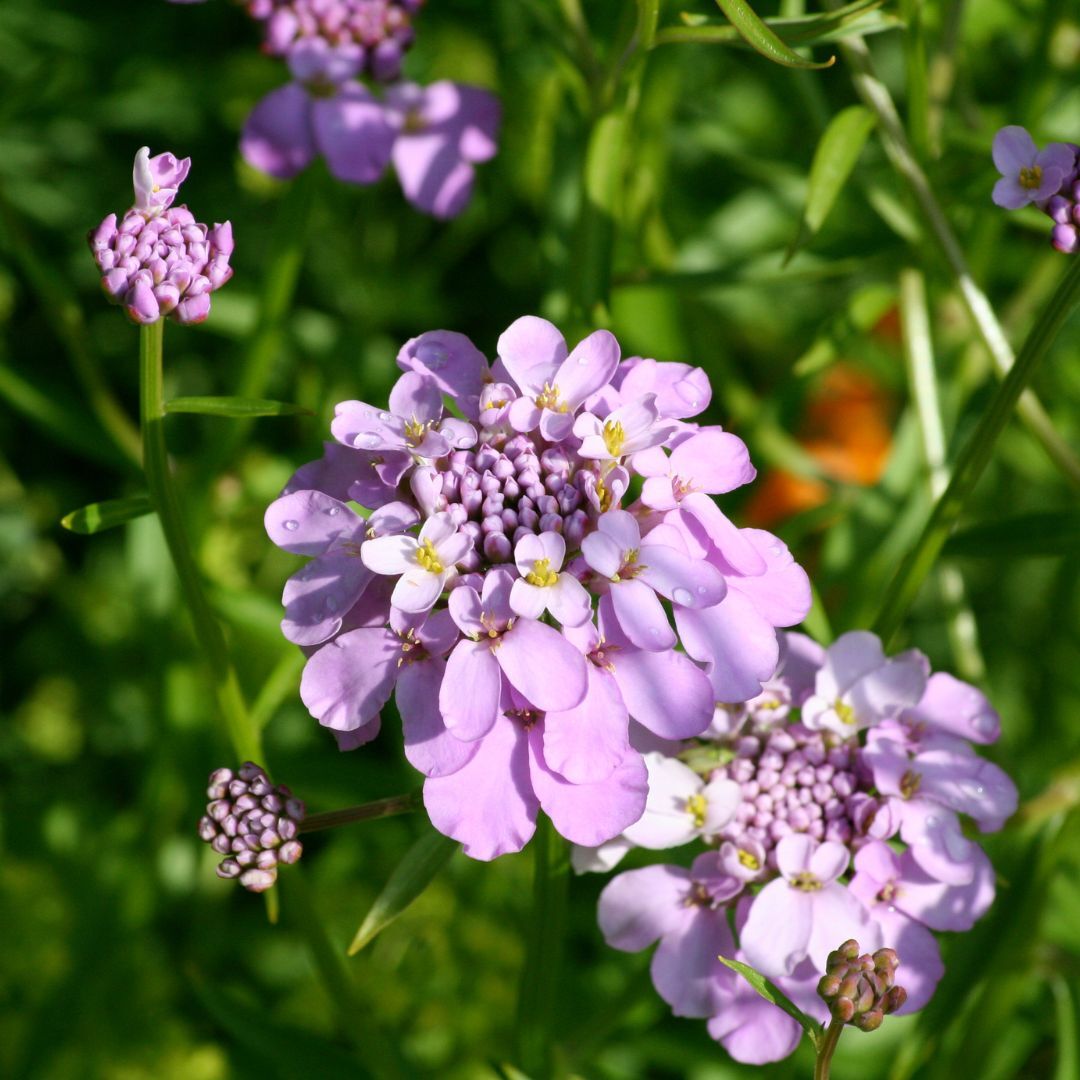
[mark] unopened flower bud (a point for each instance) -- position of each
(858, 989)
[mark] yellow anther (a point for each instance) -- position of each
(542, 574)
(909, 783)
(415, 431)
(614, 437)
(805, 881)
(631, 557)
(548, 398)
(1030, 177)
(749, 860)
(845, 712)
(696, 807)
(428, 558)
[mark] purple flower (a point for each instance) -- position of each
(1029, 175)
(158, 260)
(443, 130)
(805, 911)
(489, 535)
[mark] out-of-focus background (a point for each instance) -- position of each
(121, 954)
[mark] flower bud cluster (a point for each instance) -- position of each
(366, 37)
(158, 260)
(253, 824)
(861, 990)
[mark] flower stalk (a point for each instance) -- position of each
(380, 808)
(245, 738)
(826, 1048)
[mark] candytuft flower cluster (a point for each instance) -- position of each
(253, 824)
(831, 808)
(1050, 179)
(536, 623)
(158, 260)
(433, 135)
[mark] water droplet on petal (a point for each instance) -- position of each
(654, 630)
(583, 360)
(702, 590)
(385, 417)
(682, 596)
(931, 821)
(292, 526)
(333, 511)
(370, 440)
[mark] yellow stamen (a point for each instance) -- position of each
(614, 437)
(542, 574)
(749, 860)
(1030, 177)
(845, 712)
(415, 431)
(696, 807)
(428, 558)
(805, 881)
(909, 783)
(548, 398)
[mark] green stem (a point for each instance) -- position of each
(876, 97)
(245, 738)
(396, 804)
(380, 1054)
(826, 1049)
(975, 455)
(543, 956)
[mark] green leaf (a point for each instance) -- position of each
(777, 997)
(760, 38)
(834, 159)
(1054, 533)
(234, 407)
(410, 878)
(106, 515)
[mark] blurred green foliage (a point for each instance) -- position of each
(123, 956)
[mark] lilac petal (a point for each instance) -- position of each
(686, 967)
(568, 601)
(602, 553)
(1009, 194)
(735, 549)
(837, 916)
(353, 133)
(801, 658)
(712, 461)
(416, 397)
(681, 391)
(1060, 156)
(956, 708)
(641, 616)
(599, 859)
(556, 426)
(667, 821)
(689, 582)
(469, 698)
(429, 746)
(829, 861)
(528, 601)
(665, 691)
(794, 853)
(350, 679)
(277, 137)
(488, 804)
(968, 785)
(524, 414)
(585, 744)
(465, 608)
(361, 736)
(849, 658)
(896, 685)
(479, 115)
(527, 343)
(542, 665)
(319, 594)
(937, 843)
(1013, 149)
(451, 359)
(753, 1031)
(589, 814)
(308, 522)
(550, 546)
(417, 589)
(782, 594)
(777, 930)
(433, 176)
(738, 645)
(641, 906)
(622, 527)
(391, 555)
(588, 368)
(941, 906)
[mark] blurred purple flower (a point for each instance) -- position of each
(1029, 175)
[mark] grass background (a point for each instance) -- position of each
(123, 956)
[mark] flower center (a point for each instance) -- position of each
(428, 558)
(412, 649)
(844, 712)
(805, 881)
(548, 398)
(696, 806)
(1030, 177)
(888, 892)
(909, 783)
(414, 122)
(415, 431)
(630, 567)
(542, 574)
(749, 860)
(614, 437)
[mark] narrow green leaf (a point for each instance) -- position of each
(760, 38)
(1068, 1056)
(778, 998)
(1055, 533)
(106, 515)
(410, 878)
(834, 159)
(234, 406)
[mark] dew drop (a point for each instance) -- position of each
(931, 821)
(333, 511)
(654, 630)
(292, 526)
(385, 417)
(702, 590)
(682, 596)
(370, 440)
